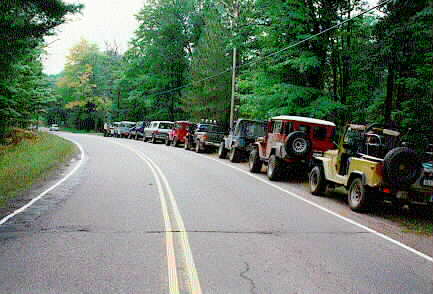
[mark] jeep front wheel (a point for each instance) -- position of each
(317, 181)
(197, 147)
(222, 151)
(357, 196)
(234, 155)
(254, 162)
(275, 168)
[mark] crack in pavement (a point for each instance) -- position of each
(251, 281)
(88, 229)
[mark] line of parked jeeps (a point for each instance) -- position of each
(371, 162)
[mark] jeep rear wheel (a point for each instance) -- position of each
(357, 196)
(234, 155)
(254, 162)
(317, 181)
(402, 167)
(222, 151)
(275, 168)
(298, 144)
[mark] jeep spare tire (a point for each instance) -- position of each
(298, 144)
(402, 167)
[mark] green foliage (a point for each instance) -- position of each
(23, 87)
(30, 161)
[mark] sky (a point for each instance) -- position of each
(100, 21)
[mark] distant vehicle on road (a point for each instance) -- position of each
(288, 146)
(372, 164)
(205, 137)
(239, 143)
(139, 130)
(177, 135)
(113, 129)
(157, 131)
(54, 127)
(122, 129)
(133, 131)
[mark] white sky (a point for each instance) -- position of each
(100, 21)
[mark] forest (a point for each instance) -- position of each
(328, 59)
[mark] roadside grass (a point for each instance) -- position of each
(30, 161)
(76, 131)
(419, 223)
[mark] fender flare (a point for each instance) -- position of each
(356, 174)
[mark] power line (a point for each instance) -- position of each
(274, 53)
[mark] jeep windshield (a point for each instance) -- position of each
(252, 129)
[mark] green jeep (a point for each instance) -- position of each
(371, 164)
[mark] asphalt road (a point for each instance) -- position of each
(144, 218)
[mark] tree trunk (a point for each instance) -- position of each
(389, 94)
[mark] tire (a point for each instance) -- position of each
(317, 181)
(402, 167)
(144, 138)
(167, 142)
(254, 162)
(197, 147)
(298, 144)
(222, 151)
(275, 168)
(153, 140)
(186, 145)
(234, 155)
(357, 196)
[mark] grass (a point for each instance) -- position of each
(76, 131)
(420, 224)
(30, 161)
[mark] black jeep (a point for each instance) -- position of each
(239, 143)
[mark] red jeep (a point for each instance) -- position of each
(178, 133)
(289, 145)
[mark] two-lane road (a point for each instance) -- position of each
(144, 218)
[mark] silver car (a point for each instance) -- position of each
(157, 131)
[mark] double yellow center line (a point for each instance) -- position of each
(165, 192)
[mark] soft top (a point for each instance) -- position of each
(305, 119)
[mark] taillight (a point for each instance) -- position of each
(156, 132)
(205, 137)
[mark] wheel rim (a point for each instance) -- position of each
(220, 150)
(271, 167)
(355, 194)
(299, 145)
(314, 180)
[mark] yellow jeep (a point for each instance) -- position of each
(370, 164)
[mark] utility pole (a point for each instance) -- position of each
(232, 104)
(234, 25)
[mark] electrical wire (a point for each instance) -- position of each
(274, 53)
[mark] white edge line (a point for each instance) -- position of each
(37, 198)
(425, 256)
